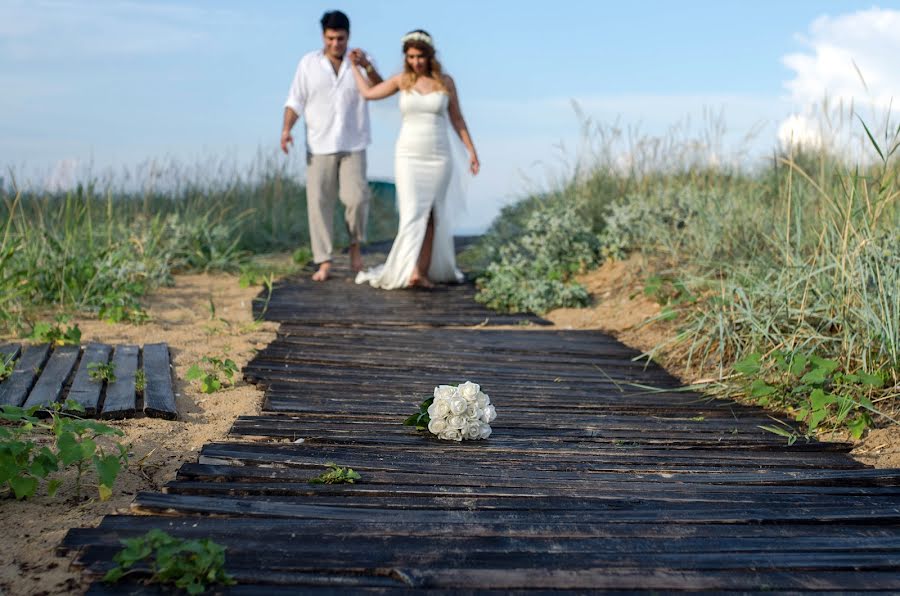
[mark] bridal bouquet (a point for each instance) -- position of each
(456, 413)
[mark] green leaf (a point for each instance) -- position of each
(819, 399)
(749, 365)
(69, 448)
(816, 376)
(871, 380)
(23, 486)
(194, 373)
(798, 364)
(815, 417)
(759, 388)
(107, 469)
(113, 575)
(829, 366)
(53, 486)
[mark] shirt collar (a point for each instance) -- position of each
(326, 63)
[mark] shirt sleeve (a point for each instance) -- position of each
(296, 98)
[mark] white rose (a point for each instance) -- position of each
(458, 405)
(468, 390)
(473, 430)
(437, 425)
(450, 435)
(482, 400)
(471, 409)
(444, 391)
(489, 414)
(485, 431)
(457, 422)
(431, 410)
(478, 414)
(441, 408)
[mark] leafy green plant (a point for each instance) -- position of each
(32, 448)
(421, 418)
(535, 270)
(302, 255)
(140, 381)
(336, 475)
(55, 334)
(208, 373)
(814, 389)
(191, 565)
(122, 306)
(102, 371)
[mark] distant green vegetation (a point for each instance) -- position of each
(102, 246)
(798, 257)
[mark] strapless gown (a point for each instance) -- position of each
(422, 170)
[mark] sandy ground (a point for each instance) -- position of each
(621, 309)
(181, 317)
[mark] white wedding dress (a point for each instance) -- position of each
(422, 171)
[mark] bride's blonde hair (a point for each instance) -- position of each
(421, 40)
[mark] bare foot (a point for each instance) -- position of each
(417, 280)
(323, 272)
(356, 262)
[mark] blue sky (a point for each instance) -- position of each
(114, 84)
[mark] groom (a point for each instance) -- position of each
(337, 132)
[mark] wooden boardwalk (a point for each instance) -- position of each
(589, 482)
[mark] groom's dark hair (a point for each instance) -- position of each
(335, 19)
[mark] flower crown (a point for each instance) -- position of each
(417, 36)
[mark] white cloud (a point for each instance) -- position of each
(849, 68)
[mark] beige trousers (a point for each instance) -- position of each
(329, 177)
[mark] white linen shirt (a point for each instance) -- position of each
(336, 115)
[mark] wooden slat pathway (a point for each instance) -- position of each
(590, 482)
(43, 376)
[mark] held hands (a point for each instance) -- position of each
(358, 58)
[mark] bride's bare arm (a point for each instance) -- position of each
(459, 124)
(379, 91)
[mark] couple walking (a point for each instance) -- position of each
(330, 90)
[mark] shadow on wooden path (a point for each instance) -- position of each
(590, 481)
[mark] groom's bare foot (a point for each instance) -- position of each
(417, 280)
(323, 272)
(356, 262)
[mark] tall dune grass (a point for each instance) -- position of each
(102, 245)
(799, 254)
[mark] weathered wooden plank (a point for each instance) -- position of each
(84, 390)
(159, 397)
(637, 537)
(15, 389)
(121, 398)
(10, 352)
(48, 388)
(676, 513)
(865, 482)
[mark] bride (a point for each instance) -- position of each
(423, 251)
